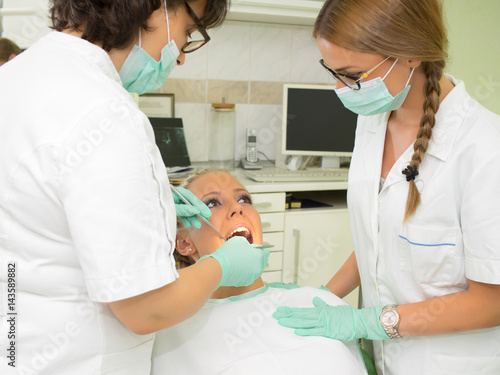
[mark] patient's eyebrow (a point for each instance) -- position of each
(237, 190)
(210, 193)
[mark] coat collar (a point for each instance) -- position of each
(450, 116)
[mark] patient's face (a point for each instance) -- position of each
(232, 212)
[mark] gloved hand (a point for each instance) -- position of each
(343, 322)
(187, 213)
(241, 262)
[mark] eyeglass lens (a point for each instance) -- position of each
(351, 82)
(195, 41)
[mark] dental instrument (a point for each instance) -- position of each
(208, 222)
(198, 216)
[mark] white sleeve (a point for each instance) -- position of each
(480, 211)
(120, 212)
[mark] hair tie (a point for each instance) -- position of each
(410, 173)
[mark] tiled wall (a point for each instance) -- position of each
(247, 64)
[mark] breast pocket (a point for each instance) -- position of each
(433, 256)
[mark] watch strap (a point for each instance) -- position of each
(391, 330)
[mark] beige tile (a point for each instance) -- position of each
(266, 92)
(186, 90)
(232, 91)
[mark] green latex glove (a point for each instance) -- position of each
(343, 322)
(241, 262)
(187, 213)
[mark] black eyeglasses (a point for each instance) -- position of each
(193, 45)
(350, 81)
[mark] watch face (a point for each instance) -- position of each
(389, 318)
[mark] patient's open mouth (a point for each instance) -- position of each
(242, 231)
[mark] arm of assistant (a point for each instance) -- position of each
(346, 279)
(477, 307)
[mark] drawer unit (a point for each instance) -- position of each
(275, 261)
(269, 202)
(271, 207)
(274, 238)
(272, 277)
(273, 221)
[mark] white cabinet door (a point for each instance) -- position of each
(294, 12)
(317, 243)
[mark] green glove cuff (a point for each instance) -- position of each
(342, 322)
(222, 263)
(241, 262)
(369, 325)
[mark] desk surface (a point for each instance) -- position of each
(273, 187)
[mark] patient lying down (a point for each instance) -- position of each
(234, 333)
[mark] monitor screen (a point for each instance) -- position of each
(315, 122)
(170, 139)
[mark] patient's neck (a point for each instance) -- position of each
(230, 291)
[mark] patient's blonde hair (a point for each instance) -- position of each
(403, 29)
(183, 261)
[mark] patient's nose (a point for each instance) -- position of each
(236, 209)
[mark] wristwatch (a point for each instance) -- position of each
(389, 318)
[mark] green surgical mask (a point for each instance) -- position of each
(373, 97)
(141, 73)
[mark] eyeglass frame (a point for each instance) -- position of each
(201, 29)
(355, 79)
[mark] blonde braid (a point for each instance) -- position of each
(433, 72)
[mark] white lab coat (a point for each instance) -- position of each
(85, 211)
(239, 336)
(454, 235)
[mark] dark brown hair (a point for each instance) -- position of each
(115, 23)
(403, 29)
(7, 48)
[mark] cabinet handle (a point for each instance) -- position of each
(266, 225)
(262, 205)
(296, 236)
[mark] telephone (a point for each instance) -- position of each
(252, 146)
(251, 159)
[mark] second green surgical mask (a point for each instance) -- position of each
(373, 97)
(141, 73)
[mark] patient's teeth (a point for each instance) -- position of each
(238, 230)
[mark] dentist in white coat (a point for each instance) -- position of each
(422, 196)
(87, 220)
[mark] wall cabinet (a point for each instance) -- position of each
(295, 12)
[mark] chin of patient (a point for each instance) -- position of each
(232, 215)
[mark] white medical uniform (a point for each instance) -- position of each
(454, 235)
(85, 211)
(239, 336)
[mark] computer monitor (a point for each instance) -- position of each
(316, 123)
(170, 139)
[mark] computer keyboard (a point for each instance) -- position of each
(286, 175)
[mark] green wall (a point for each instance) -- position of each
(474, 52)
